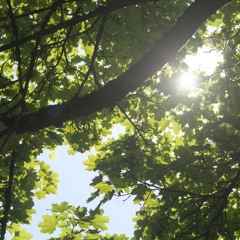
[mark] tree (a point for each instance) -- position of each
(71, 69)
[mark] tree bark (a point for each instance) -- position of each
(163, 51)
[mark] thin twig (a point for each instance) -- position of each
(94, 56)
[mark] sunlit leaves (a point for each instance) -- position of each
(63, 206)
(52, 155)
(103, 187)
(90, 163)
(74, 222)
(99, 221)
(18, 233)
(49, 224)
(178, 155)
(48, 181)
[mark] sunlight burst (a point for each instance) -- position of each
(187, 81)
(205, 61)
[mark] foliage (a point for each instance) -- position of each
(179, 156)
(75, 223)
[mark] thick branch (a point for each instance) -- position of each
(163, 51)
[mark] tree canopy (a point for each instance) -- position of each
(73, 69)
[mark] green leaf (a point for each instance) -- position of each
(22, 235)
(40, 194)
(63, 206)
(89, 50)
(90, 162)
(71, 151)
(103, 187)
(164, 123)
(176, 128)
(53, 155)
(100, 221)
(49, 223)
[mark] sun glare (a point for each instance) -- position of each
(204, 61)
(187, 81)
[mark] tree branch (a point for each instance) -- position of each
(94, 56)
(8, 196)
(163, 51)
(100, 11)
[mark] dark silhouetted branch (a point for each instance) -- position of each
(163, 51)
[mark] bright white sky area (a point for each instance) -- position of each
(205, 60)
(74, 188)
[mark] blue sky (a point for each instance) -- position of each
(74, 188)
